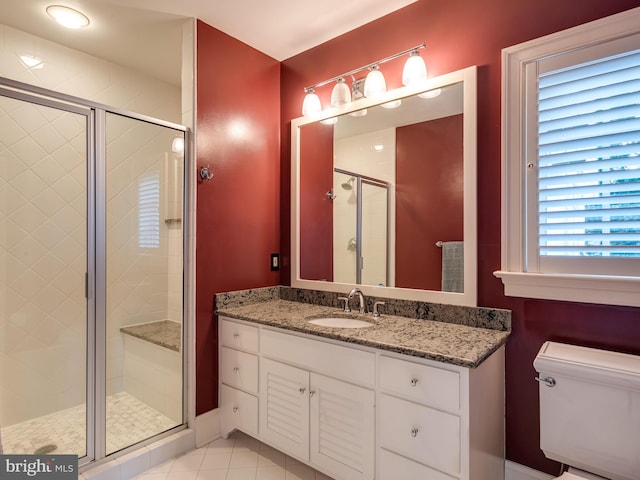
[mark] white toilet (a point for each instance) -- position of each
(590, 411)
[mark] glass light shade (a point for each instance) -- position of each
(359, 113)
(177, 146)
(311, 104)
(341, 94)
(392, 104)
(431, 93)
(67, 17)
(415, 71)
(374, 84)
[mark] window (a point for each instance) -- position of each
(571, 163)
(149, 211)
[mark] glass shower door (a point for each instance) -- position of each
(144, 280)
(43, 263)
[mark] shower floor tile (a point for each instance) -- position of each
(128, 421)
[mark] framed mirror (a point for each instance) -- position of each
(384, 194)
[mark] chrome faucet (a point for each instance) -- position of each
(363, 305)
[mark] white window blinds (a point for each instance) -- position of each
(589, 159)
(149, 211)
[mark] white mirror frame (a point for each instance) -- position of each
(468, 77)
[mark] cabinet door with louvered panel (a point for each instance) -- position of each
(284, 408)
(342, 423)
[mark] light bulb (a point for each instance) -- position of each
(341, 94)
(415, 71)
(311, 103)
(67, 17)
(374, 84)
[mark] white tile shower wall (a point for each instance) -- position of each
(76, 73)
(43, 312)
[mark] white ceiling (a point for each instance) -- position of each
(146, 34)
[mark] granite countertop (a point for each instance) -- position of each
(447, 342)
(164, 333)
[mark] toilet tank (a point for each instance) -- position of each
(590, 409)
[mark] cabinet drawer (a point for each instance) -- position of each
(420, 433)
(238, 410)
(393, 467)
(431, 386)
(348, 364)
(237, 335)
(239, 369)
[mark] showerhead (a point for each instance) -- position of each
(348, 185)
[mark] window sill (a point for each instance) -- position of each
(606, 290)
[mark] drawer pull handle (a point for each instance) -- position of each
(235, 409)
(302, 390)
(414, 432)
(236, 370)
(414, 382)
(312, 393)
(236, 335)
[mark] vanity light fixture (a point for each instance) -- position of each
(311, 102)
(341, 94)
(415, 70)
(374, 85)
(68, 17)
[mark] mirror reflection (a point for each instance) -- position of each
(382, 195)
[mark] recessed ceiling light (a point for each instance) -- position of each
(67, 17)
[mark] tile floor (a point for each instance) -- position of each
(128, 421)
(240, 457)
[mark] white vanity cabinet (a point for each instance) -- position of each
(359, 413)
(315, 404)
(238, 377)
(440, 422)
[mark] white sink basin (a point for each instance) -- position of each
(340, 322)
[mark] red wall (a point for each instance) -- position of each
(429, 198)
(238, 211)
(316, 210)
(460, 33)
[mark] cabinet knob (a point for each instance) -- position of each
(414, 432)
(236, 335)
(414, 382)
(235, 409)
(312, 393)
(236, 369)
(302, 390)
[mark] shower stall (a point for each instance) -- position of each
(360, 229)
(91, 275)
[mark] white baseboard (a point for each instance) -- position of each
(207, 427)
(515, 471)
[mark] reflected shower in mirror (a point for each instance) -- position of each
(403, 181)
